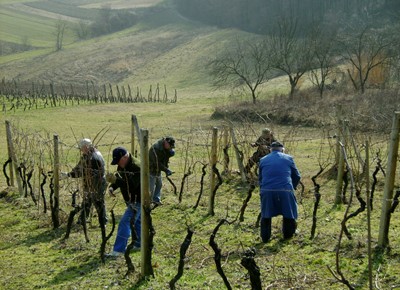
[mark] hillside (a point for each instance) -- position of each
(163, 48)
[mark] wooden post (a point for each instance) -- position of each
(367, 185)
(383, 239)
(9, 146)
(213, 162)
(56, 180)
(146, 267)
(340, 169)
(14, 160)
(238, 156)
(135, 126)
(338, 134)
(225, 140)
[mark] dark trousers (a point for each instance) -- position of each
(288, 228)
(100, 208)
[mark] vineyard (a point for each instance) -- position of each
(333, 238)
(23, 96)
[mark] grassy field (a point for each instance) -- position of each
(168, 49)
(36, 31)
(33, 254)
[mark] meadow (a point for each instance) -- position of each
(36, 255)
(168, 49)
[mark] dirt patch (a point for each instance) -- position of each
(123, 4)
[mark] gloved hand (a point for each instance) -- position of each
(111, 178)
(111, 191)
(171, 152)
(63, 175)
(168, 172)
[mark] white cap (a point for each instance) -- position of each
(84, 142)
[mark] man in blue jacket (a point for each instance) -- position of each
(278, 178)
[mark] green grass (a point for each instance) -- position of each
(66, 8)
(164, 48)
(38, 31)
(175, 53)
(14, 1)
(28, 244)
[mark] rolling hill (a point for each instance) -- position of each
(163, 47)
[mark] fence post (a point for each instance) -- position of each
(146, 268)
(383, 239)
(340, 166)
(10, 152)
(226, 158)
(14, 160)
(134, 126)
(56, 180)
(367, 185)
(213, 162)
(239, 158)
(338, 122)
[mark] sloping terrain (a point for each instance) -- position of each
(164, 48)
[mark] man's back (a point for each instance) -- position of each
(276, 171)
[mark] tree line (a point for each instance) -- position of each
(258, 16)
(369, 57)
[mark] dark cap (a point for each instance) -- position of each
(171, 141)
(117, 154)
(276, 145)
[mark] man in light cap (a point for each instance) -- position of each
(263, 143)
(127, 179)
(278, 178)
(91, 169)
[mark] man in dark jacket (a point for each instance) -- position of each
(127, 179)
(159, 155)
(91, 169)
(278, 178)
(262, 143)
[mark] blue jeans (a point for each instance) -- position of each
(155, 187)
(124, 229)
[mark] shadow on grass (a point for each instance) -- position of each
(75, 272)
(138, 285)
(377, 260)
(42, 237)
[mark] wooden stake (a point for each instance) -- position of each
(146, 267)
(10, 152)
(14, 160)
(367, 185)
(56, 180)
(383, 239)
(238, 156)
(225, 140)
(340, 169)
(213, 162)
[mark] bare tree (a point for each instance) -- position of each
(82, 30)
(322, 61)
(248, 64)
(59, 34)
(291, 50)
(366, 49)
